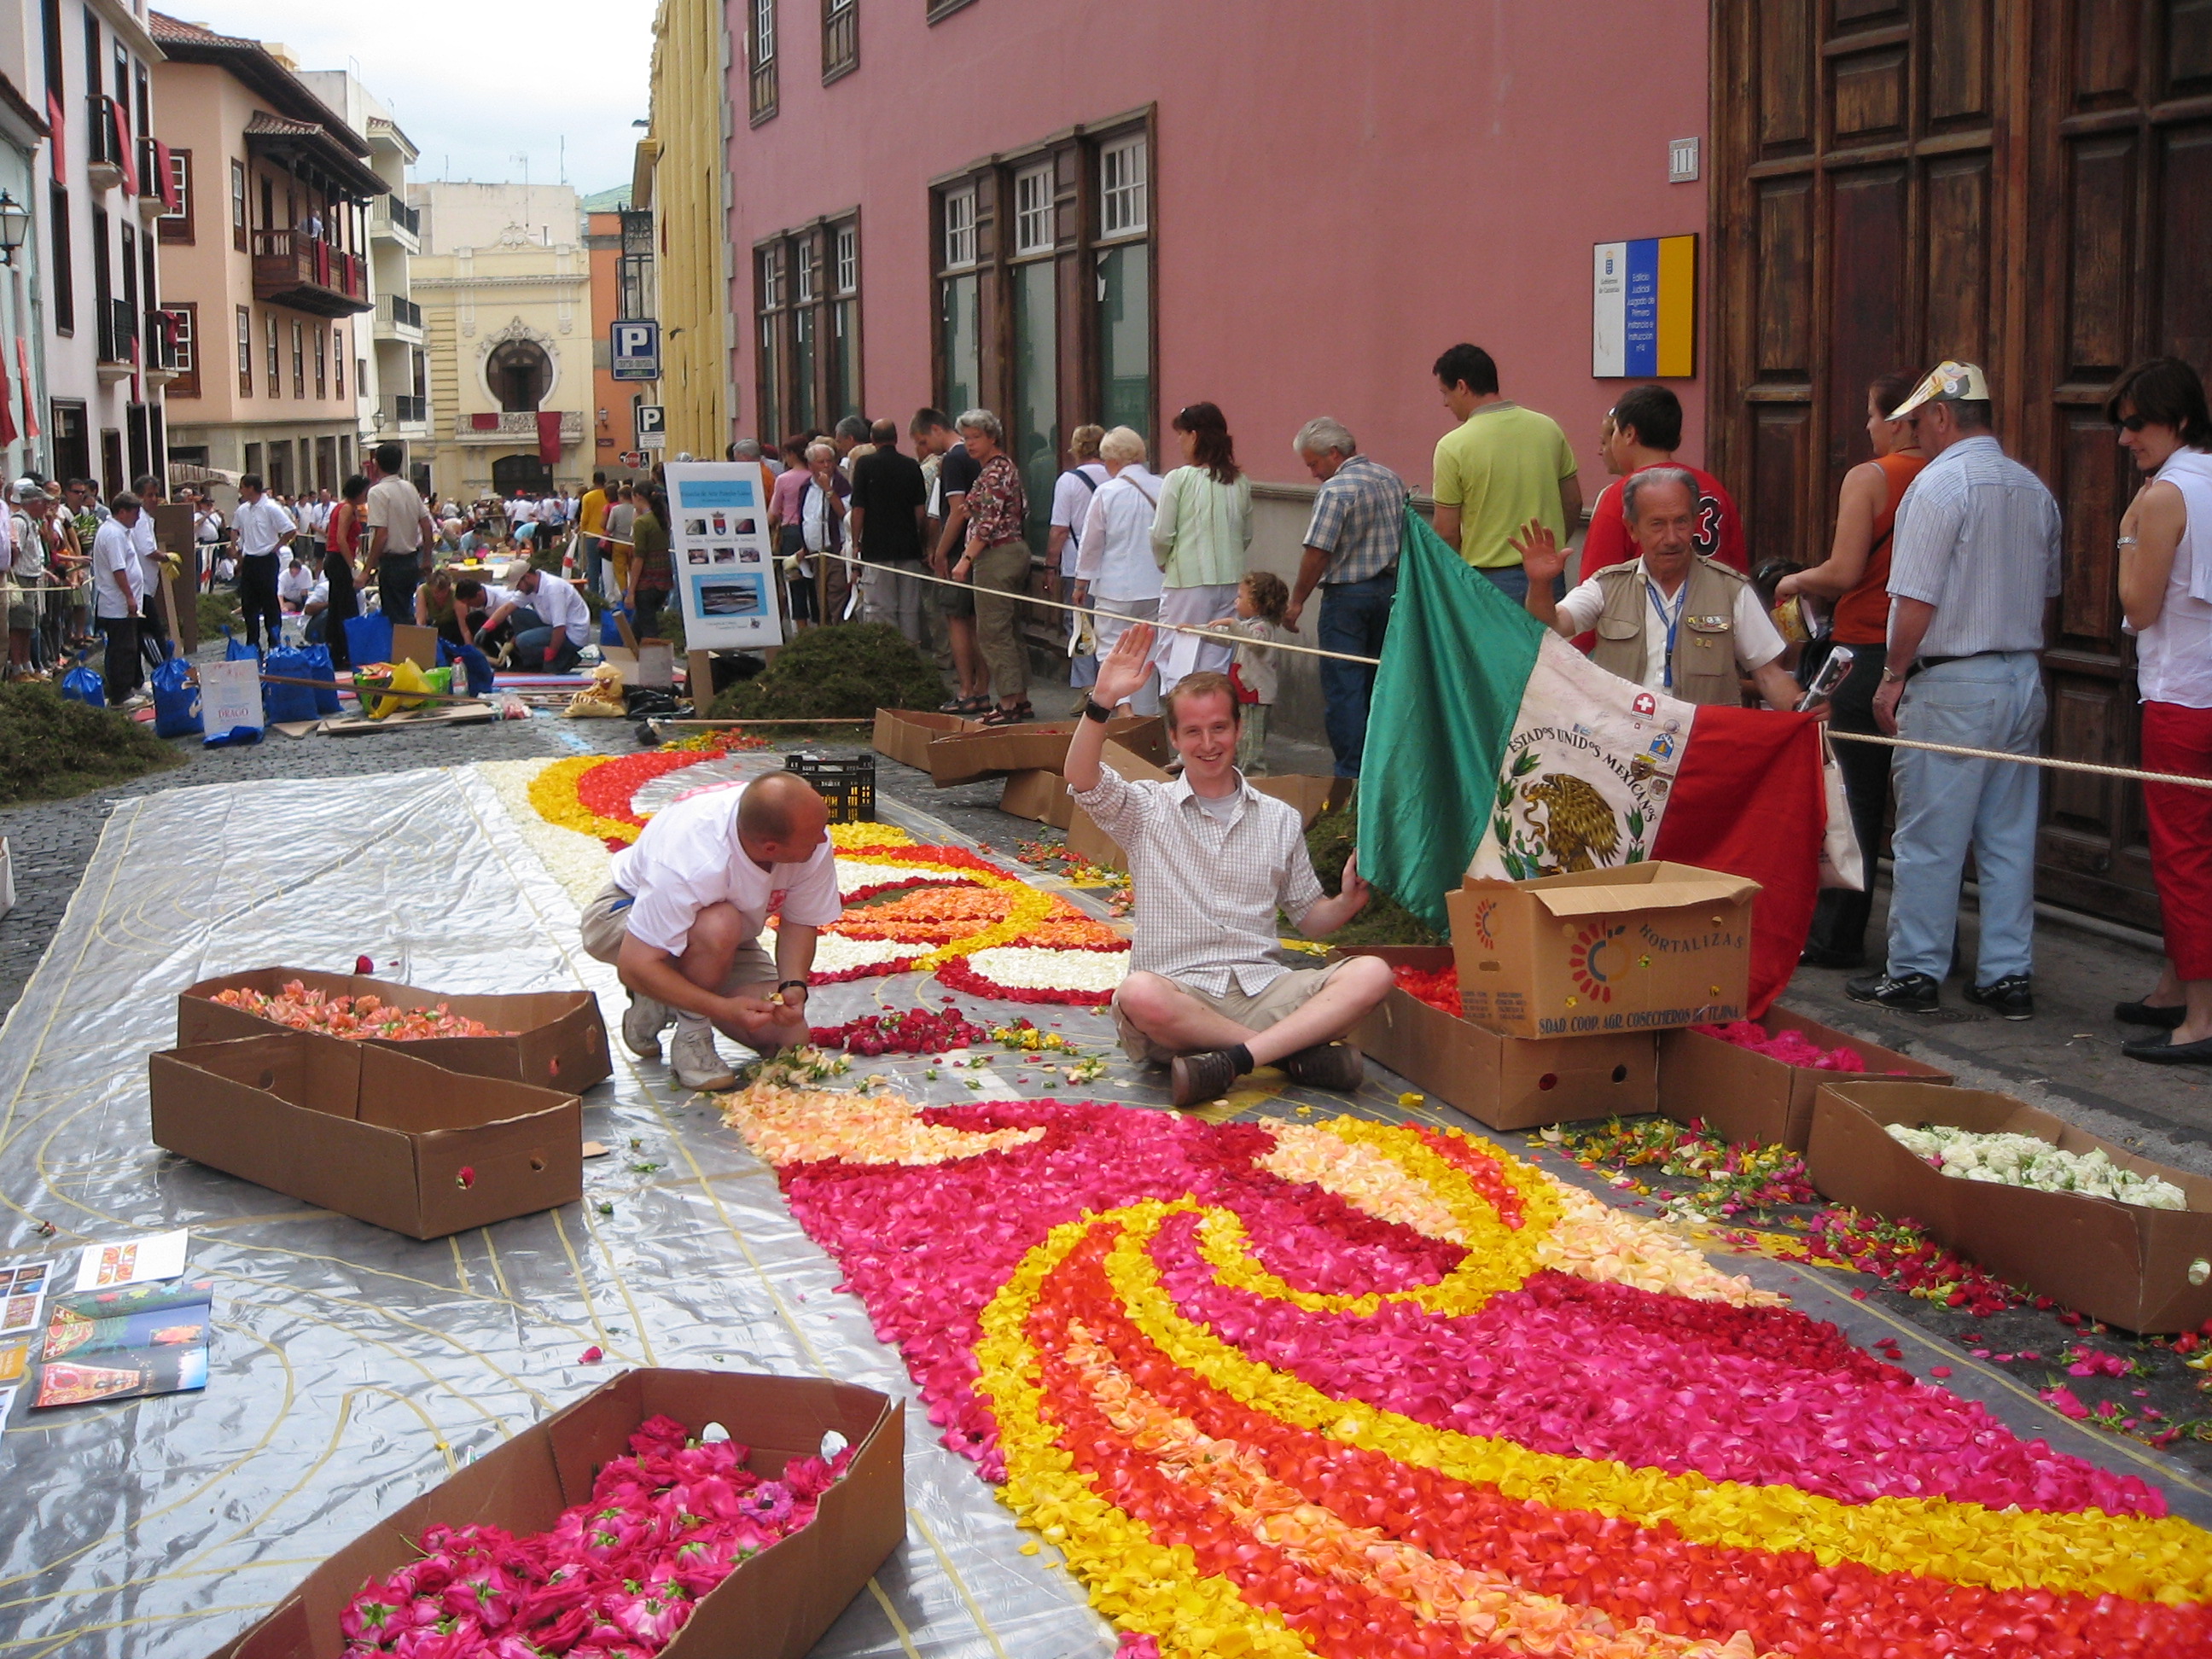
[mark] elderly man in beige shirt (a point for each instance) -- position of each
(1210, 861)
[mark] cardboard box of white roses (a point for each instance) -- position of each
(775, 1606)
(555, 1039)
(369, 1130)
(2143, 1269)
(1743, 1095)
(1506, 1082)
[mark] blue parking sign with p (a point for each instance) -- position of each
(634, 349)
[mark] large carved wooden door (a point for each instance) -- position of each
(2120, 228)
(2024, 184)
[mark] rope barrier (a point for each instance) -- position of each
(2047, 762)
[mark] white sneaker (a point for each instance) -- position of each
(642, 1023)
(693, 1057)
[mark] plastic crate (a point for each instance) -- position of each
(848, 785)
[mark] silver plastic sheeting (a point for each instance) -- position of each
(353, 1369)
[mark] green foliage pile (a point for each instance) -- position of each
(1384, 920)
(51, 747)
(219, 610)
(847, 670)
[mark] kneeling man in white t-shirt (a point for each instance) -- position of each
(682, 919)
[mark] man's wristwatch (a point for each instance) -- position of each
(1092, 711)
(786, 985)
(1892, 676)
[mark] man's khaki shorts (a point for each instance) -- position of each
(606, 924)
(1283, 996)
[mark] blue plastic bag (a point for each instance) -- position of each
(320, 671)
(477, 667)
(84, 684)
(176, 699)
(368, 638)
(610, 630)
(287, 702)
(239, 735)
(237, 650)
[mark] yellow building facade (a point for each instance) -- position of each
(683, 175)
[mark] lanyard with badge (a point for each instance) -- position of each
(1673, 621)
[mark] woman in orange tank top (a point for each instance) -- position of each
(1855, 577)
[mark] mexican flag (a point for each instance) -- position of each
(1495, 748)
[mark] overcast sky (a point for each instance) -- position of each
(479, 84)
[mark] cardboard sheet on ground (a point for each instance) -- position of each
(351, 1370)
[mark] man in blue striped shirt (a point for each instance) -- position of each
(1974, 565)
(1352, 554)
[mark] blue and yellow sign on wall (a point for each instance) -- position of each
(1643, 313)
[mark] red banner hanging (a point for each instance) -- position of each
(30, 405)
(171, 202)
(549, 436)
(58, 142)
(123, 149)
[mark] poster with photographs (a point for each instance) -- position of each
(726, 570)
(122, 1344)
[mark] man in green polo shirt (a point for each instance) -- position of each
(1501, 467)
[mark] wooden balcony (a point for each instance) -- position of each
(305, 273)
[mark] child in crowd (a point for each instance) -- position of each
(1261, 599)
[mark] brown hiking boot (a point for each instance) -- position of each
(1337, 1066)
(1197, 1079)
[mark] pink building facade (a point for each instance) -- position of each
(1069, 212)
(1333, 195)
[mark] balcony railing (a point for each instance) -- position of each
(118, 332)
(403, 313)
(160, 337)
(514, 425)
(407, 218)
(103, 149)
(406, 411)
(150, 181)
(291, 268)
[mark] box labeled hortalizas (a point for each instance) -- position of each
(1639, 948)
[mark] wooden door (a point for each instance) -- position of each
(2023, 183)
(2120, 241)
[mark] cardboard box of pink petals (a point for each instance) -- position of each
(775, 1605)
(553, 1039)
(1742, 1095)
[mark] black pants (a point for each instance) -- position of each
(120, 668)
(649, 601)
(337, 570)
(396, 578)
(1839, 919)
(256, 598)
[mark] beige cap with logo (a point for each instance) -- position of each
(1948, 382)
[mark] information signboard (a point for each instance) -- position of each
(726, 573)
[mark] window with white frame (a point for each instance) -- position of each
(1123, 210)
(244, 352)
(804, 274)
(761, 44)
(1033, 211)
(848, 259)
(959, 228)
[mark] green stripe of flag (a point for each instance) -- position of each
(1458, 657)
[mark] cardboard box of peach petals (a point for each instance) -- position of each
(2145, 1270)
(775, 1606)
(1506, 1082)
(555, 1039)
(369, 1131)
(905, 734)
(1034, 746)
(1743, 1095)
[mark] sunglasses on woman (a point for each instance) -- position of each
(2130, 422)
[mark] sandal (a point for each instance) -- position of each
(966, 707)
(1005, 717)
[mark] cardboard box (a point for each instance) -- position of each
(2122, 1263)
(368, 1131)
(1038, 794)
(1312, 796)
(1035, 745)
(1506, 1082)
(652, 663)
(417, 645)
(1745, 1096)
(1641, 947)
(1086, 839)
(905, 734)
(775, 1606)
(560, 1041)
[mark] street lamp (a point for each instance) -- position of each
(14, 226)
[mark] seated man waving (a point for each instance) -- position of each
(1211, 862)
(681, 921)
